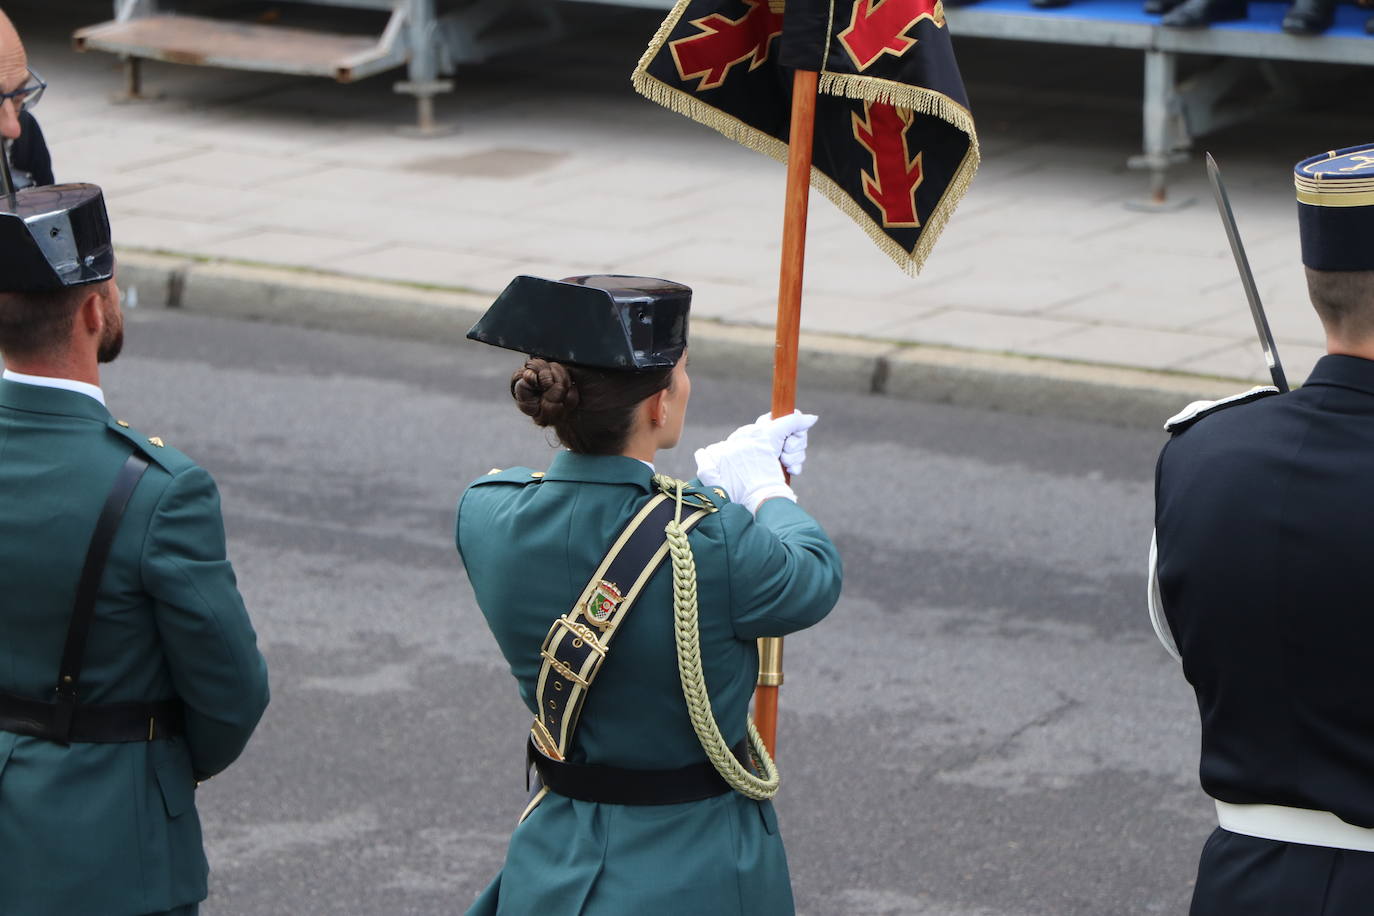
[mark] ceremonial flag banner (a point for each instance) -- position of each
(895, 145)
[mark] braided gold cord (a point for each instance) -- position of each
(686, 621)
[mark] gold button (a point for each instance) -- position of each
(537, 474)
(156, 440)
(493, 471)
(720, 492)
(123, 423)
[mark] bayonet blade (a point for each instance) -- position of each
(1247, 278)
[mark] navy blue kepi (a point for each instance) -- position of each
(1336, 209)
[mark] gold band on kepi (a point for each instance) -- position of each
(1335, 192)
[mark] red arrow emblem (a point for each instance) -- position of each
(896, 175)
(878, 27)
(723, 42)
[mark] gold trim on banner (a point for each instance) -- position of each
(922, 101)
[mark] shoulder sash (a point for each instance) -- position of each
(579, 641)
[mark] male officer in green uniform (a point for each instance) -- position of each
(124, 678)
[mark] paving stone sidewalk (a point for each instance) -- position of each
(555, 167)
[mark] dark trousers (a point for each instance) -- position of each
(1242, 875)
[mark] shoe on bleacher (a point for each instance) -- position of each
(1194, 14)
(1309, 17)
(1159, 7)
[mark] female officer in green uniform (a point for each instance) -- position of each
(649, 799)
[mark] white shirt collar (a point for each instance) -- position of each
(66, 384)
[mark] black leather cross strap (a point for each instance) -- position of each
(62, 720)
(619, 786)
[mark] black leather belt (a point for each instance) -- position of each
(618, 786)
(107, 723)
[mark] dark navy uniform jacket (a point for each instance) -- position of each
(30, 152)
(1265, 528)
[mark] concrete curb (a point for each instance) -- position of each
(1017, 384)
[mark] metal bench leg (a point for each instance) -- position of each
(424, 82)
(1165, 132)
(133, 84)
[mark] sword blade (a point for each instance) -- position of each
(1247, 278)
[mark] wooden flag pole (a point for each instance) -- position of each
(804, 83)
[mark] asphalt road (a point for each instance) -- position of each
(983, 727)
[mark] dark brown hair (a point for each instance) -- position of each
(1344, 300)
(591, 410)
(37, 324)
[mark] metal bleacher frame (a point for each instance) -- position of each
(428, 42)
(432, 37)
(1175, 111)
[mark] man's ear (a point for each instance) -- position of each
(91, 313)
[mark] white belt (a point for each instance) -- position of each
(1294, 825)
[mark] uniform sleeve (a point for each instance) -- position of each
(209, 642)
(785, 573)
(30, 151)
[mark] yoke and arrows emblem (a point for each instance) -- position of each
(879, 27)
(710, 55)
(896, 175)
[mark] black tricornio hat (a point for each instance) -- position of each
(53, 237)
(601, 321)
(1336, 208)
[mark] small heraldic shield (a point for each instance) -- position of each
(601, 606)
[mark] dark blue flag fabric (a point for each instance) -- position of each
(895, 145)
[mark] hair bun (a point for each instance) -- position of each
(544, 391)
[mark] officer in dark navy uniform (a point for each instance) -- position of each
(20, 90)
(1264, 582)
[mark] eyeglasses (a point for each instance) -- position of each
(26, 96)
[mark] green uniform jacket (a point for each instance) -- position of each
(530, 544)
(111, 829)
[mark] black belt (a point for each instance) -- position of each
(618, 786)
(107, 723)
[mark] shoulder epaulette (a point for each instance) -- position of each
(1199, 409)
(714, 495)
(153, 448)
(694, 493)
(509, 475)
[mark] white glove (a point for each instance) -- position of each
(746, 465)
(792, 429)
